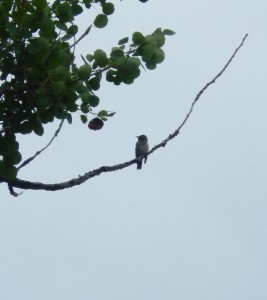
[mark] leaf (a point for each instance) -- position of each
(90, 57)
(7, 172)
(77, 9)
(73, 29)
(108, 8)
(7, 4)
(159, 56)
(87, 3)
(39, 130)
(64, 12)
(66, 37)
(61, 25)
(69, 118)
(84, 72)
(59, 88)
(151, 65)
(101, 21)
(138, 38)
(39, 4)
(93, 100)
(123, 41)
(102, 114)
(168, 32)
(84, 118)
(100, 58)
(60, 73)
(85, 108)
(80, 88)
(116, 52)
(47, 27)
(94, 83)
(85, 97)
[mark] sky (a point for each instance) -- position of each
(192, 224)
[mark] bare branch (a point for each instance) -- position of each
(27, 161)
(23, 184)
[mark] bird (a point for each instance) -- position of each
(141, 148)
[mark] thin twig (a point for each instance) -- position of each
(12, 192)
(23, 184)
(27, 161)
(81, 37)
(176, 132)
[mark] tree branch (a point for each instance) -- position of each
(23, 184)
(81, 37)
(27, 161)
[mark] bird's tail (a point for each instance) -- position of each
(139, 164)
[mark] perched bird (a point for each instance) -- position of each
(141, 148)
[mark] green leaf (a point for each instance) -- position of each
(87, 3)
(60, 73)
(151, 65)
(66, 37)
(90, 57)
(71, 106)
(64, 12)
(111, 75)
(61, 25)
(147, 52)
(7, 172)
(47, 27)
(85, 108)
(116, 52)
(101, 21)
(84, 72)
(108, 8)
(123, 41)
(60, 114)
(7, 4)
(85, 97)
(38, 46)
(59, 88)
(12, 158)
(94, 83)
(80, 88)
(138, 38)
(100, 58)
(7, 144)
(93, 100)
(46, 116)
(69, 118)
(168, 32)
(159, 56)
(84, 119)
(39, 130)
(73, 29)
(39, 4)
(158, 37)
(103, 114)
(25, 127)
(77, 9)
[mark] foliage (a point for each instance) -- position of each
(40, 81)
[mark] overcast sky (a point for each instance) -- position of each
(192, 224)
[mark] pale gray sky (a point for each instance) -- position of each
(193, 223)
